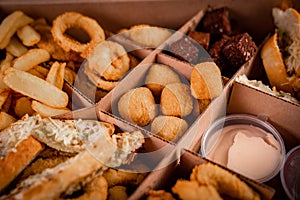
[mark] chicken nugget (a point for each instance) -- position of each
(138, 106)
(191, 190)
(176, 100)
(159, 76)
(169, 127)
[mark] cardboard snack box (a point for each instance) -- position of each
(179, 166)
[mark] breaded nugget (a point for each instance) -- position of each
(159, 195)
(168, 127)
(158, 76)
(176, 100)
(206, 81)
(138, 106)
(148, 36)
(117, 193)
(118, 177)
(96, 189)
(223, 181)
(191, 190)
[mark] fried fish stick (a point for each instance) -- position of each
(223, 181)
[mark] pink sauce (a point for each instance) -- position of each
(246, 149)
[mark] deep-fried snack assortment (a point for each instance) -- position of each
(176, 97)
(42, 161)
(33, 70)
(40, 56)
(208, 181)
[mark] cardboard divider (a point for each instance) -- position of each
(136, 79)
(282, 114)
(166, 175)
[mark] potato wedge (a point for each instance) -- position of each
(36, 73)
(47, 111)
(4, 94)
(42, 70)
(8, 58)
(3, 67)
(5, 120)
(30, 59)
(69, 76)
(28, 35)
(56, 74)
(10, 25)
(36, 88)
(23, 106)
(16, 48)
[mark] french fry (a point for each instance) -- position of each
(47, 111)
(7, 104)
(42, 70)
(23, 106)
(30, 59)
(5, 120)
(3, 67)
(4, 94)
(56, 74)
(8, 58)
(10, 25)
(28, 35)
(36, 88)
(36, 73)
(16, 48)
(69, 76)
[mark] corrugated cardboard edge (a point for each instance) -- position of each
(167, 173)
(283, 115)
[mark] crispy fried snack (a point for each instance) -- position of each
(117, 193)
(191, 190)
(159, 76)
(159, 195)
(73, 19)
(96, 189)
(148, 36)
(176, 100)
(168, 127)
(138, 106)
(118, 177)
(223, 181)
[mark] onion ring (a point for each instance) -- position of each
(76, 20)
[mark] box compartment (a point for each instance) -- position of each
(179, 166)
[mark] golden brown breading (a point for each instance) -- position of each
(138, 106)
(191, 190)
(159, 76)
(176, 100)
(168, 127)
(223, 181)
(117, 193)
(125, 178)
(159, 195)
